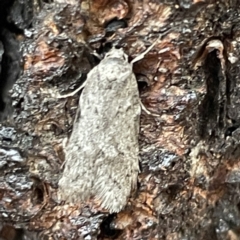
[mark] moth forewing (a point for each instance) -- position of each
(102, 153)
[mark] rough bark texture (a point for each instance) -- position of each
(189, 143)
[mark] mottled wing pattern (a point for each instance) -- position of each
(102, 153)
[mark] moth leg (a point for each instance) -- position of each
(147, 111)
(74, 92)
(141, 56)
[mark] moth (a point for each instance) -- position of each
(101, 157)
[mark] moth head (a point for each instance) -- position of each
(116, 67)
(117, 54)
